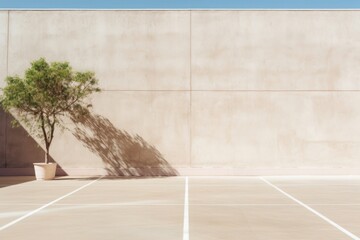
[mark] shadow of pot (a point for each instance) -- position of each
(45, 171)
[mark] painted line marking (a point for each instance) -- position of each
(180, 204)
(171, 204)
(312, 210)
(186, 211)
(46, 205)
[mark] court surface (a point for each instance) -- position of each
(196, 208)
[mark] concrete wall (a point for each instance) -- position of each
(197, 92)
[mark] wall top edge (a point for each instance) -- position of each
(170, 9)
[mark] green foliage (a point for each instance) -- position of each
(47, 93)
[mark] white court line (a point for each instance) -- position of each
(312, 210)
(181, 204)
(186, 211)
(45, 206)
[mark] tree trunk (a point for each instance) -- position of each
(47, 154)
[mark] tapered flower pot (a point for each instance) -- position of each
(45, 171)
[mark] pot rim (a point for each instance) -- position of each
(42, 164)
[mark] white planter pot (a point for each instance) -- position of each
(45, 171)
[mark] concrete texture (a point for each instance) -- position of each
(13, 180)
(275, 50)
(154, 208)
(3, 45)
(2, 139)
(197, 92)
(113, 192)
(109, 222)
(160, 117)
(282, 129)
(346, 215)
(19, 146)
(23, 194)
(3, 74)
(258, 222)
(128, 50)
(315, 193)
(243, 191)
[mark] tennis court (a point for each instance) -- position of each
(321, 207)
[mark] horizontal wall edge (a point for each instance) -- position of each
(183, 9)
(195, 171)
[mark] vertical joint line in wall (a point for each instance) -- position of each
(190, 69)
(5, 140)
(190, 32)
(7, 74)
(7, 43)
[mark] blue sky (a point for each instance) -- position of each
(182, 4)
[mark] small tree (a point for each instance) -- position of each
(47, 93)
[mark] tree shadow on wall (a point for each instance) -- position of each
(122, 153)
(19, 150)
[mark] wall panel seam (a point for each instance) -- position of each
(7, 74)
(190, 110)
(183, 9)
(7, 43)
(230, 90)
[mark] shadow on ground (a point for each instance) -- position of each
(109, 177)
(6, 181)
(122, 153)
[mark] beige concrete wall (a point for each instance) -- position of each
(3, 45)
(3, 73)
(2, 140)
(275, 50)
(135, 50)
(198, 92)
(276, 129)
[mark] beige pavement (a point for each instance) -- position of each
(154, 208)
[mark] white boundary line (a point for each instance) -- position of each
(186, 211)
(312, 210)
(179, 9)
(181, 204)
(46, 205)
